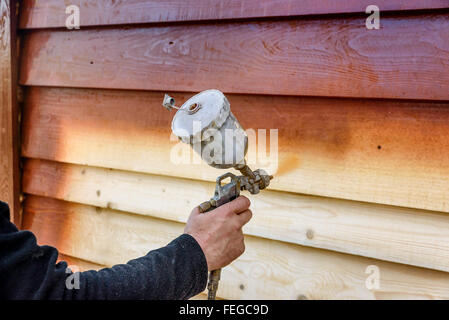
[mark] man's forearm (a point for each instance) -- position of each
(177, 271)
(29, 271)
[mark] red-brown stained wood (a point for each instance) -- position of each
(57, 229)
(51, 13)
(407, 58)
(9, 154)
(383, 151)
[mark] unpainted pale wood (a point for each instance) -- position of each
(408, 58)
(267, 270)
(79, 264)
(382, 151)
(396, 234)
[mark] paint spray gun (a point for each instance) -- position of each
(206, 122)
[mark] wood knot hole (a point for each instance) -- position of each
(310, 234)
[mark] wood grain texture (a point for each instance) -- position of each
(401, 235)
(9, 153)
(408, 58)
(51, 13)
(389, 152)
(267, 270)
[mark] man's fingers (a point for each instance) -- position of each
(244, 217)
(195, 211)
(238, 205)
(235, 207)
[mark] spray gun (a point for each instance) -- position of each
(206, 122)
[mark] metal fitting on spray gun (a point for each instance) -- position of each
(206, 122)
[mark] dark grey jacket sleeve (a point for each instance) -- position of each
(29, 271)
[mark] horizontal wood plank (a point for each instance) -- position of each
(77, 264)
(389, 152)
(401, 235)
(267, 270)
(408, 58)
(52, 13)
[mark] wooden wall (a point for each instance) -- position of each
(363, 120)
(9, 110)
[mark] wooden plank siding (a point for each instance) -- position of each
(408, 58)
(362, 120)
(380, 232)
(51, 13)
(9, 111)
(383, 151)
(268, 269)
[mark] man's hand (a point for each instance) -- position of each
(219, 232)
